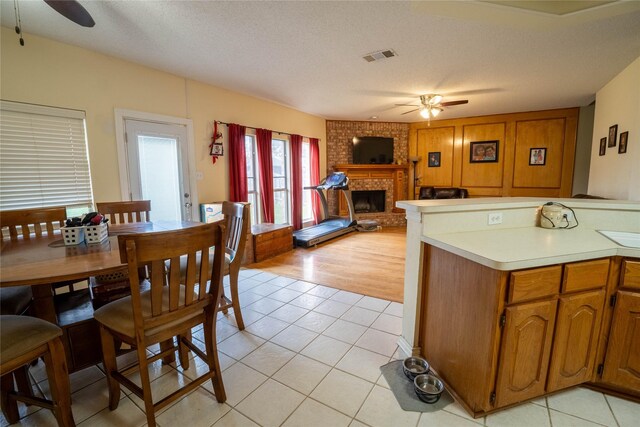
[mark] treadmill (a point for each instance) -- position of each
(331, 226)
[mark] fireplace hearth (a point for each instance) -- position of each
(368, 201)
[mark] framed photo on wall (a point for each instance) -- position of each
(537, 156)
(603, 146)
(434, 159)
(216, 150)
(613, 133)
(622, 147)
(483, 152)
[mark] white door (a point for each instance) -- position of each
(158, 168)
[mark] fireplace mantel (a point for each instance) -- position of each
(394, 172)
(349, 167)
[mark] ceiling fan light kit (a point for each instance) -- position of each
(431, 106)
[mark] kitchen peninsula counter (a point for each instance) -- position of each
(465, 280)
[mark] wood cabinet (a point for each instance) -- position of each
(622, 363)
(498, 338)
(525, 350)
(622, 358)
(576, 339)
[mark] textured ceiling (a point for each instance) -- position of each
(308, 55)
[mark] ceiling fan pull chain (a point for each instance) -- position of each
(16, 9)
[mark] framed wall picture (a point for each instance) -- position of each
(483, 152)
(216, 150)
(537, 156)
(613, 134)
(434, 159)
(622, 147)
(603, 146)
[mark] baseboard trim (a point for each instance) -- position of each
(407, 348)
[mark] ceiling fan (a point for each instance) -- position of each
(72, 10)
(431, 105)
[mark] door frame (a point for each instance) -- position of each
(125, 189)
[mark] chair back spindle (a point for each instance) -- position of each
(125, 212)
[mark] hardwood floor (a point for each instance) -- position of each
(369, 263)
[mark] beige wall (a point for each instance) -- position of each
(617, 176)
(50, 73)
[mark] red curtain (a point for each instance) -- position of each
(314, 157)
(237, 164)
(265, 163)
(296, 181)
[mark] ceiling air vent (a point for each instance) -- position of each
(380, 54)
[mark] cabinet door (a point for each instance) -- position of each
(622, 361)
(525, 350)
(576, 339)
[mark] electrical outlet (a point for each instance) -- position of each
(495, 218)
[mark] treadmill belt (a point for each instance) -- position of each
(316, 231)
(322, 232)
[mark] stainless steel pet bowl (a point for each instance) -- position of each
(428, 387)
(413, 366)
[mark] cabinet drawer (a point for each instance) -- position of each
(585, 275)
(531, 284)
(630, 274)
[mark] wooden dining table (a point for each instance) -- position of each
(41, 262)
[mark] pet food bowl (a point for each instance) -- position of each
(413, 366)
(428, 387)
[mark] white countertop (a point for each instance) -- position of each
(528, 247)
(471, 204)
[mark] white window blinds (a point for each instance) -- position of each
(43, 158)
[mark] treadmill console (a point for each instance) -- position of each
(335, 181)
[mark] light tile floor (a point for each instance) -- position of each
(309, 356)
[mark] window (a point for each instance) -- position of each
(280, 156)
(43, 158)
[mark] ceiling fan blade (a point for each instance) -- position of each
(450, 103)
(410, 111)
(73, 11)
(407, 105)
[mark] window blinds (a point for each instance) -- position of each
(43, 157)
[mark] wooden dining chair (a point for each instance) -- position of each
(31, 223)
(24, 339)
(110, 287)
(27, 224)
(125, 212)
(16, 301)
(168, 309)
(237, 221)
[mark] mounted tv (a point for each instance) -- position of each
(372, 150)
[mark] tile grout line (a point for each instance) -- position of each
(611, 409)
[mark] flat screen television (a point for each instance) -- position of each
(372, 150)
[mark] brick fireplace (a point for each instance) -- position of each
(368, 201)
(392, 179)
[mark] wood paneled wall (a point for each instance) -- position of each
(511, 175)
